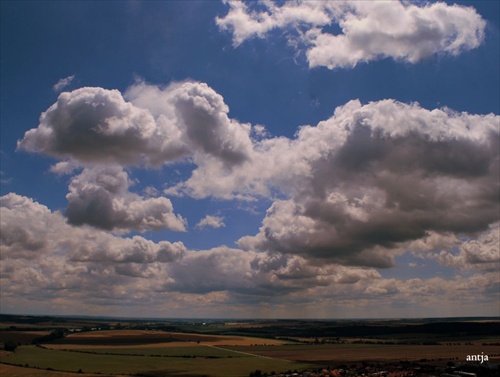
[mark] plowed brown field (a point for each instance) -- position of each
(355, 352)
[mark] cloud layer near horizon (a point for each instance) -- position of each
(48, 262)
(39, 245)
(368, 30)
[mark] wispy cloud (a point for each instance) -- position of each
(63, 83)
(3, 180)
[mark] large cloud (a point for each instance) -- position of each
(382, 175)
(98, 129)
(93, 125)
(370, 30)
(100, 197)
(159, 125)
(355, 189)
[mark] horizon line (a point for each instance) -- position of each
(240, 319)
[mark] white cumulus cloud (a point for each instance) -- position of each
(93, 125)
(211, 221)
(99, 197)
(374, 178)
(355, 189)
(158, 126)
(368, 30)
(31, 231)
(482, 252)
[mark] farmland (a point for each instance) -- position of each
(15, 371)
(348, 353)
(21, 337)
(148, 337)
(149, 353)
(217, 348)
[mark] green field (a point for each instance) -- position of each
(237, 365)
(192, 352)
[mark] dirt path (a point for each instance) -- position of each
(245, 353)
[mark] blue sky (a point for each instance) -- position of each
(308, 159)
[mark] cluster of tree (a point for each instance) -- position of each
(10, 346)
(313, 329)
(56, 334)
(26, 319)
(258, 373)
(413, 343)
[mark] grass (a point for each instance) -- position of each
(15, 371)
(136, 337)
(128, 364)
(188, 351)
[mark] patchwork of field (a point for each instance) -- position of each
(161, 353)
(154, 353)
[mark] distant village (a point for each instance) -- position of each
(401, 369)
